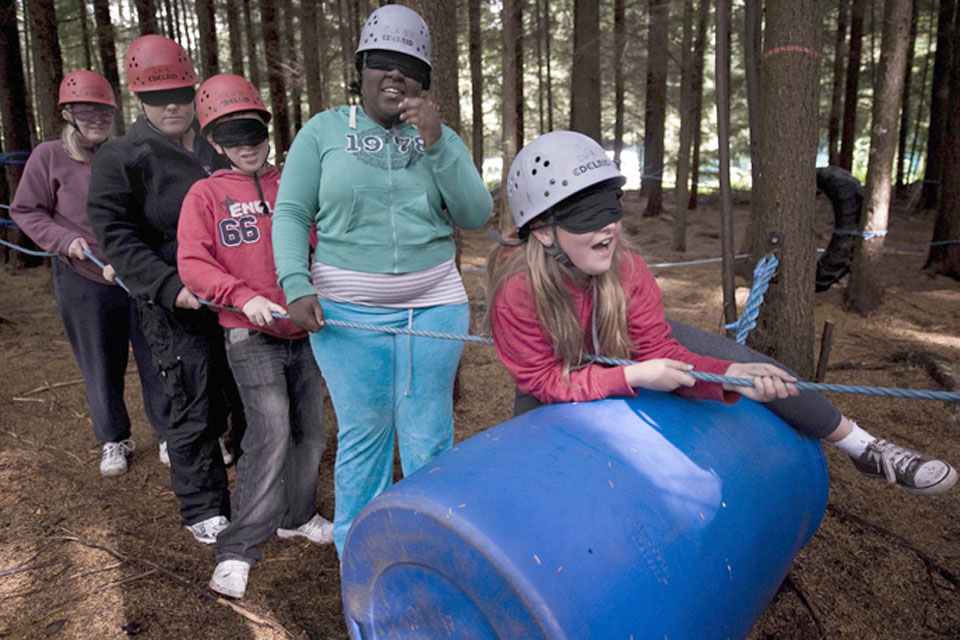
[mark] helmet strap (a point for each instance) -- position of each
(554, 250)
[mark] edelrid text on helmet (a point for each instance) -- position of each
(156, 63)
(394, 27)
(552, 168)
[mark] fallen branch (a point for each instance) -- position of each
(55, 385)
(927, 559)
(245, 613)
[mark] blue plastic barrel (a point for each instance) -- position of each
(653, 517)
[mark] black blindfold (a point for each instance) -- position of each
(183, 95)
(411, 67)
(243, 132)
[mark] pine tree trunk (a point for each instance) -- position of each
(699, 51)
(686, 129)
(47, 65)
(147, 16)
(836, 94)
(84, 34)
(655, 113)
(508, 105)
(314, 60)
(789, 83)
(865, 290)
(548, 29)
(441, 19)
(347, 47)
(723, 160)
(939, 98)
(13, 108)
(945, 259)
(619, 53)
(848, 136)
(292, 62)
(902, 169)
(278, 90)
(253, 59)
(585, 74)
(476, 82)
(518, 6)
(207, 26)
(108, 58)
(235, 31)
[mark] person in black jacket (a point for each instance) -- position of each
(138, 184)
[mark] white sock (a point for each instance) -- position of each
(855, 442)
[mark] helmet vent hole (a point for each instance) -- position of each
(534, 172)
(537, 159)
(552, 181)
(546, 163)
(564, 183)
(546, 194)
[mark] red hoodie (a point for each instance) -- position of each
(526, 350)
(225, 249)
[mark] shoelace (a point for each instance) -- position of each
(890, 457)
(123, 447)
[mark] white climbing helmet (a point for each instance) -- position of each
(552, 168)
(394, 27)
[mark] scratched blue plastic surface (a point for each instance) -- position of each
(654, 517)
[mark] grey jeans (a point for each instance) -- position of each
(809, 412)
(276, 481)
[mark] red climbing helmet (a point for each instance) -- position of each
(156, 63)
(225, 94)
(86, 86)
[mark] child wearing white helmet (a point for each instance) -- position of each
(386, 183)
(225, 256)
(574, 287)
(100, 319)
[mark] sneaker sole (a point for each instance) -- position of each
(291, 533)
(945, 484)
(110, 473)
(225, 591)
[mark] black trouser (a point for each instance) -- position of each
(810, 413)
(188, 351)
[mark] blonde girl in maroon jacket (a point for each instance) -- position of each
(572, 287)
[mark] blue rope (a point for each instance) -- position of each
(866, 235)
(7, 223)
(29, 252)
(762, 273)
(14, 157)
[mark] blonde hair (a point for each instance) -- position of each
(70, 139)
(555, 309)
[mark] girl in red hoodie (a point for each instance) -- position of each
(570, 286)
(225, 256)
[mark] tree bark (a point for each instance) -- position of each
(836, 94)
(85, 34)
(902, 169)
(291, 63)
(686, 129)
(585, 74)
(518, 6)
(619, 53)
(476, 82)
(278, 90)
(939, 98)
(235, 31)
(207, 26)
(47, 65)
(945, 259)
(146, 16)
(252, 39)
(314, 60)
(865, 290)
(108, 58)
(848, 137)
(699, 51)
(13, 108)
(789, 78)
(508, 105)
(547, 27)
(347, 65)
(651, 183)
(723, 157)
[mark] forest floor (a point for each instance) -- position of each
(82, 556)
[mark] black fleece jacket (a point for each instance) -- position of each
(137, 185)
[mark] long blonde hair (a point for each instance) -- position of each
(547, 280)
(70, 139)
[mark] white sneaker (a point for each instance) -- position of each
(317, 530)
(164, 456)
(230, 578)
(113, 461)
(227, 456)
(206, 531)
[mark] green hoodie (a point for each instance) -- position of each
(382, 202)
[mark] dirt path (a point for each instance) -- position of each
(83, 556)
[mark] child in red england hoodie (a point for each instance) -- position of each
(225, 257)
